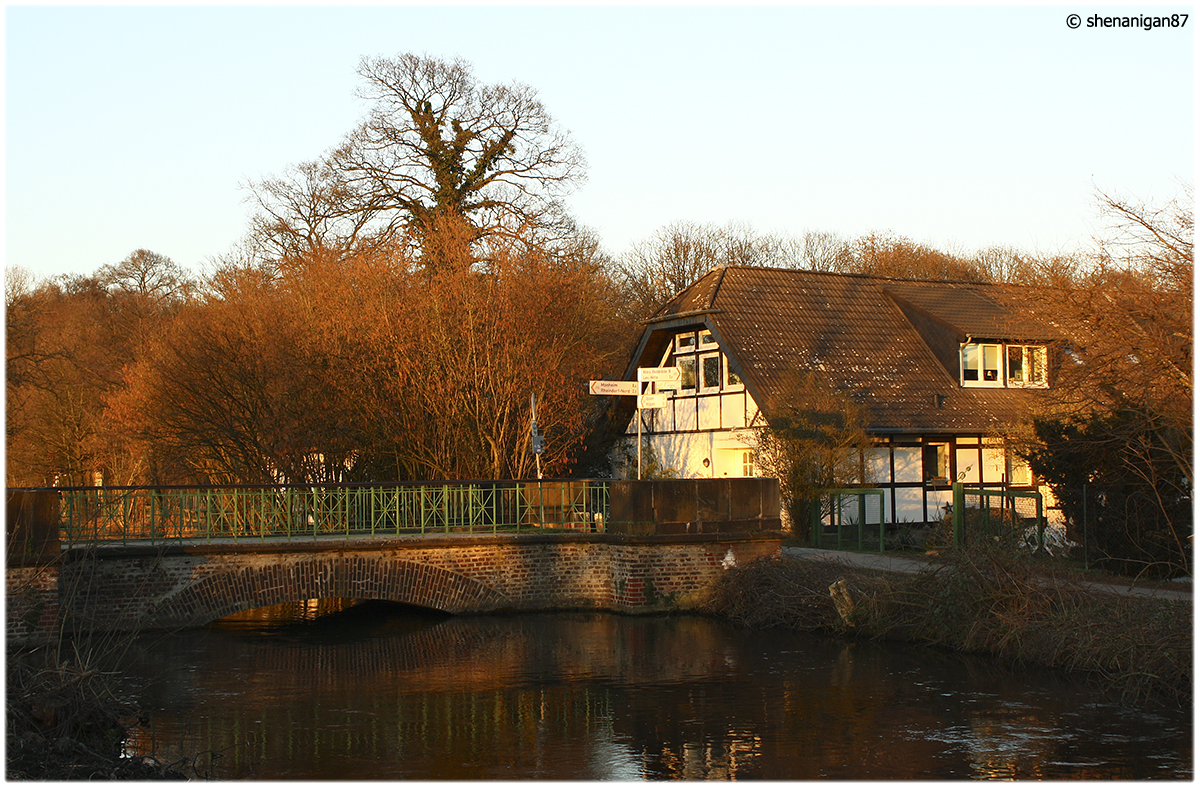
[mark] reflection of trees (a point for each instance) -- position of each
(601, 696)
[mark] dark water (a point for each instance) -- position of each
(378, 692)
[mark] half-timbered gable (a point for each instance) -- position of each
(942, 368)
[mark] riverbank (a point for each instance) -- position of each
(983, 601)
(62, 723)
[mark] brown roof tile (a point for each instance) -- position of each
(852, 328)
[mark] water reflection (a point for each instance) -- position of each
(371, 693)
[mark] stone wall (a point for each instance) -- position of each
(694, 506)
(133, 588)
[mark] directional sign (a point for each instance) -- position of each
(652, 401)
(613, 388)
(665, 377)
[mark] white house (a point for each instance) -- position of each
(942, 368)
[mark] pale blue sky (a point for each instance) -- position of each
(964, 127)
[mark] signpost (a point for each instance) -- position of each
(664, 377)
(657, 377)
(613, 388)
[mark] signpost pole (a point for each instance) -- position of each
(639, 420)
(668, 377)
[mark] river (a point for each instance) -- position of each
(380, 691)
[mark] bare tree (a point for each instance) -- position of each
(310, 210)
(654, 270)
(1118, 418)
(814, 441)
(440, 153)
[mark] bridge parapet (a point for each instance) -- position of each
(655, 547)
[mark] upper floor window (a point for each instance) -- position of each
(687, 373)
(998, 365)
(710, 372)
(981, 365)
(1026, 365)
(732, 379)
(702, 367)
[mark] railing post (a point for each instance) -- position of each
(1041, 521)
(957, 514)
(862, 517)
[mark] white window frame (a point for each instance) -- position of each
(980, 351)
(748, 469)
(1028, 353)
(683, 387)
(700, 359)
(680, 347)
(726, 371)
(702, 344)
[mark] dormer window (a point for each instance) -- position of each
(997, 365)
(1026, 365)
(981, 365)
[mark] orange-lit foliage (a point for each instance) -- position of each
(375, 367)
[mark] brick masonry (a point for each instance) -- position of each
(121, 588)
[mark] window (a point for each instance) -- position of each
(1019, 472)
(707, 371)
(732, 379)
(1019, 366)
(687, 373)
(981, 365)
(747, 463)
(710, 372)
(937, 462)
(1026, 365)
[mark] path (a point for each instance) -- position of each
(912, 565)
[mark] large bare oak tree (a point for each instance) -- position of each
(439, 153)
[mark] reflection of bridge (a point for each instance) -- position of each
(116, 559)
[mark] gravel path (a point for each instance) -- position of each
(891, 563)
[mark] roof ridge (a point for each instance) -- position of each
(860, 275)
(712, 301)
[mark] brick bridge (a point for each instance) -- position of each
(653, 560)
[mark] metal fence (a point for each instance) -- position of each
(1012, 516)
(164, 514)
(848, 519)
(1124, 533)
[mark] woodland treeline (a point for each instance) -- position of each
(395, 302)
(360, 366)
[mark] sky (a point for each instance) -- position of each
(960, 126)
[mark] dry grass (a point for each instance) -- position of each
(63, 724)
(985, 601)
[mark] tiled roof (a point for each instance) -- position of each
(966, 309)
(853, 329)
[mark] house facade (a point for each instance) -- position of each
(943, 369)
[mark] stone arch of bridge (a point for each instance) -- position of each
(239, 588)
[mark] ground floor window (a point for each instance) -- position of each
(747, 463)
(937, 462)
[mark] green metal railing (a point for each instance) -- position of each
(165, 514)
(848, 519)
(999, 513)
